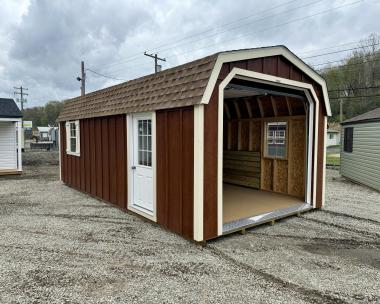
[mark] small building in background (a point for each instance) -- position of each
(333, 134)
(360, 149)
(333, 138)
(10, 137)
(43, 133)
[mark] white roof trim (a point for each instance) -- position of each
(258, 53)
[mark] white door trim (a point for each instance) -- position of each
(130, 150)
(312, 145)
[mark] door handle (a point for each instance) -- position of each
(133, 167)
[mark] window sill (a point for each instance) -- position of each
(277, 158)
(73, 153)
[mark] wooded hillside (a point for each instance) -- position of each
(355, 80)
(45, 115)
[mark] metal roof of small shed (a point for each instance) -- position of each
(370, 116)
(9, 109)
(184, 85)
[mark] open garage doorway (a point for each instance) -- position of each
(265, 153)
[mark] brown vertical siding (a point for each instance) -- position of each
(210, 227)
(274, 65)
(175, 167)
(90, 172)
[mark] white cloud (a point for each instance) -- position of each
(44, 41)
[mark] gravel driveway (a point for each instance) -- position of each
(58, 245)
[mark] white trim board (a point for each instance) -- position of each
(313, 132)
(261, 53)
(198, 172)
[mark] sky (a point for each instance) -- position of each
(42, 42)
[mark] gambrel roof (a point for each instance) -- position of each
(185, 85)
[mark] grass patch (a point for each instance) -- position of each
(333, 159)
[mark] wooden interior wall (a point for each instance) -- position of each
(244, 121)
(274, 65)
(175, 170)
(101, 168)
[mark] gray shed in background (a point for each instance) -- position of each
(360, 149)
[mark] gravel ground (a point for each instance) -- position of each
(58, 245)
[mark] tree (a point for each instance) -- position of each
(43, 116)
(358, 76)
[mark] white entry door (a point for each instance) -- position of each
(142, 169)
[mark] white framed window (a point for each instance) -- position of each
(275, 140)
(144, 142)
(73, 138)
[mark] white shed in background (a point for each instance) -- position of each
(10, 136)
(332, 138)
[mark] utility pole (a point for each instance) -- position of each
(20, 91)
(341, 110)
(82, 79)
(157, 67)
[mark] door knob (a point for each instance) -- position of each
(133, 167)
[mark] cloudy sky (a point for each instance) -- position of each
(42, 42)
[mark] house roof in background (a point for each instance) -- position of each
(370, 116)
(43, 129)
(184, 85)
(9, 109)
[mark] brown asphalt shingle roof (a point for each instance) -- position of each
(180, 86)
(373, 115)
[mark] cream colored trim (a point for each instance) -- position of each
(77, 138)
(198, 171)
(278, 81)
(324, 165)
(59, 150)
(263, 52)
(19, 144)
(130, 150)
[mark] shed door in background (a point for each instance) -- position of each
(8, 147)
(142, 194)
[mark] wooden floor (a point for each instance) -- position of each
(241, 202)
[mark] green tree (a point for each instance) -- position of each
(43, 116)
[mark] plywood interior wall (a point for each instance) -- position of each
(244, 124)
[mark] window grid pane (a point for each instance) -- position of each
(276, 140)
(145, 142)
(73, 137)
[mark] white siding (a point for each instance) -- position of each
(333, 141)
(363, 164)
(8, 147)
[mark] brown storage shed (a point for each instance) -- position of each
(213, 146)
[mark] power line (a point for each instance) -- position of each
(340, 51)
(276, 26)
(102, 75)
(341, 60)
(347, 65)
(203, 32)
(360, 96)
(249, 23)
(331, 47)
(353, 89)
